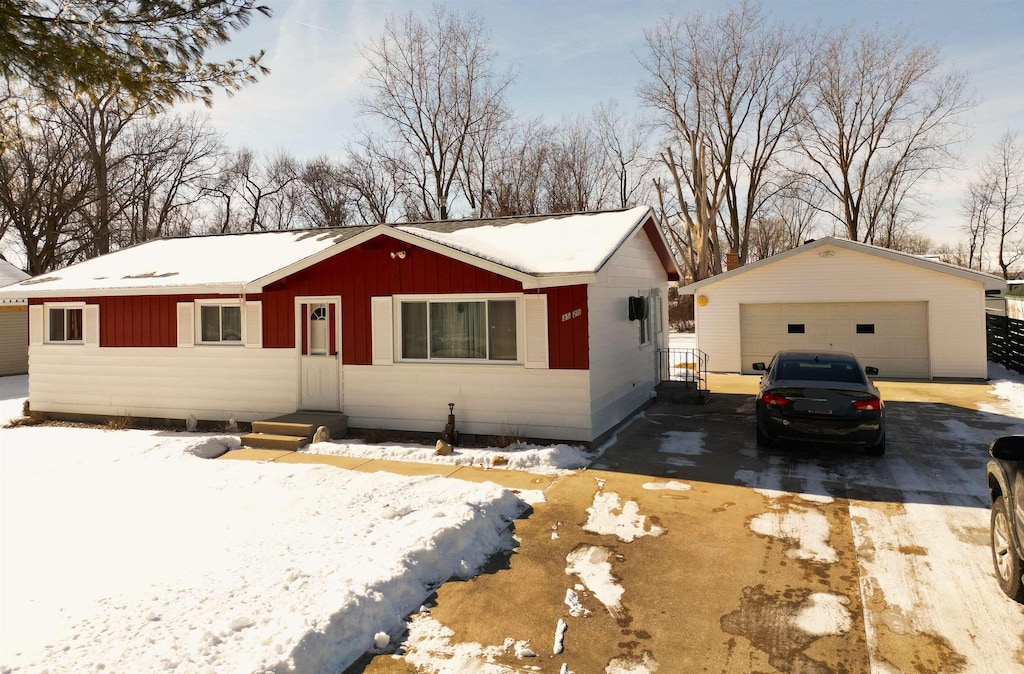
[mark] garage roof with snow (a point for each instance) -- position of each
(989, 281)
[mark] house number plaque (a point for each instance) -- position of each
(569, 315)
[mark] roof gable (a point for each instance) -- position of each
(989, 281)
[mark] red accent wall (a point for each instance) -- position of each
(136, 320)
(369, 271)
(568, 334)
(357, 275)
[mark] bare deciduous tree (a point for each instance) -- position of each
(726, 91)
(519, 171)
(624, 141)
(995, 206)
(46, 182)
(577, 179)
(434, 86)
(171, 160)
(880, 115)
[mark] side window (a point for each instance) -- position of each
(220, 324)
(64, 325)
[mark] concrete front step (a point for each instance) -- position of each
(290, 424)
(284, 428)
(273, 441)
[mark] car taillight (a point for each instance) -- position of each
(774, 399)
(868, 404)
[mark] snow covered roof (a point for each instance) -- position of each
(536, 250)
(989, 281)
(556, 244)
(224, 263)
(10, 274)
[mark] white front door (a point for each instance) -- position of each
(318, 336)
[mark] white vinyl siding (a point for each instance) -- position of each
(955, 306)
(622, 372)
(13, 339)
(489, 401)
(215, 384)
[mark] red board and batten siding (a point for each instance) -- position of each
(356, 275)
(137, 320)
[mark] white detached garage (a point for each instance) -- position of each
(910, 317)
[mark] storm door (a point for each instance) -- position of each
(319, 342)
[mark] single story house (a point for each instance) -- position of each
(908, 316)
(13, 324)
(532, 325)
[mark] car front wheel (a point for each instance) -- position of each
(1005, 557)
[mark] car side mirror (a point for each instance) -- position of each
(871, 371)
(759, 367)
(1008, 447)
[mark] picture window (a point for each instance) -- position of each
(460, 330)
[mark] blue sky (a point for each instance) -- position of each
(573, 54)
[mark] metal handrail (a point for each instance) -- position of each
(684, 365)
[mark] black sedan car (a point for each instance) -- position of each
(820, 396)
(1006, 488)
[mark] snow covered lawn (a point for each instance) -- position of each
(122, 551)
(551, 460)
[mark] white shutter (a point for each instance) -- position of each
(254, 324)
(186, 324)
(36, 325)
(91, 319)
(537, 331)
(382, 320)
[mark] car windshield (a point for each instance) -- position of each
(820, 369)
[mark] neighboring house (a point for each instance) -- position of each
(13, 324)
(1015, 300)
(522, 322)
(908, 316)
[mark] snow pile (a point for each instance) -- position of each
(592, 565)
(808, 530)
(13, 393)
(671, 485)
(825, 614)
(430, 648)
(1009, 386)
(607, 515)
(122, 551)
(551, 460)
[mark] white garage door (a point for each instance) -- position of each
(892, 336)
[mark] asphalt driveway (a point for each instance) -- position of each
(688, 549)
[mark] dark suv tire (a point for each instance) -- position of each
(1005, 557)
